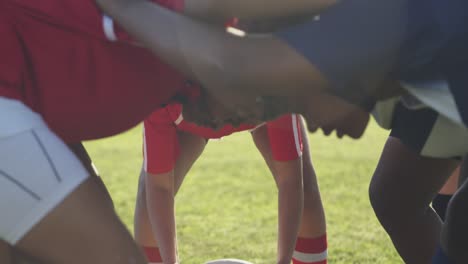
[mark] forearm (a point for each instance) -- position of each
(160, 203)
(203, 52)
(221, 10)
(229, 68)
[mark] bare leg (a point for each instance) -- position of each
(288, 179)
(154, 214)
(313, 222)
(5, 253)
(10, 255)
(401, 190)
(79, 150)
(290, 206)
(142, 225)
(312, 219)
(82, 229)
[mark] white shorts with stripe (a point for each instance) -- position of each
(37, 170)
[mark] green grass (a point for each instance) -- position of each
(227, 205)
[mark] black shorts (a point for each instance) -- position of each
(429, 133)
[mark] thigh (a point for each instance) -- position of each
(5, 253)
(260, 138)
(80, 152)
(418, 156)
(404, 176)
(81, 229)
(37, 171)
(191, 147)
(9, 255)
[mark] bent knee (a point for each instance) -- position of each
(385, 208)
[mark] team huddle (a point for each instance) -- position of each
(77, 70)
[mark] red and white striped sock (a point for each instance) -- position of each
(311, 250)
(153, 255)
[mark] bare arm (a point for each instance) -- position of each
(220, 10)
(233, 70)
(200, 50)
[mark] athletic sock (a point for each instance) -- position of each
(153, 255)
(441, 258)
(440, 204)
(311, 250)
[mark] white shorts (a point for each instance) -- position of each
(37, 170)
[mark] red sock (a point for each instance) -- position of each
(310, 250)
(152, 254)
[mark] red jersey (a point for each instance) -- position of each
(70, 63)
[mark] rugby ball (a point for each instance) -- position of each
(228, 261)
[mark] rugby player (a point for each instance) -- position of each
(67, 74)
(332, 68)
(172, 145)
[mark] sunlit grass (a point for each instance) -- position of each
(227, 205)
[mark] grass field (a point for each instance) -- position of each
(227, 205)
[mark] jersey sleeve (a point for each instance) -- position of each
(285, 137)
